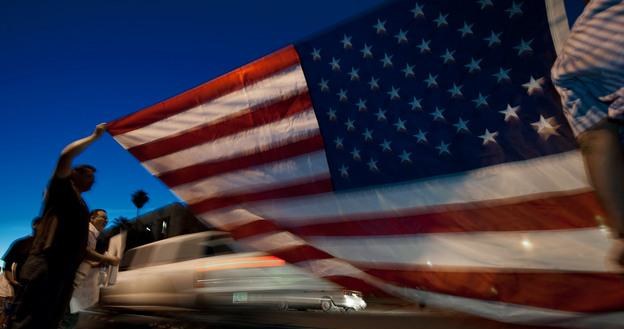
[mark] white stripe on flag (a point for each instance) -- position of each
(248, 180)
(526, 179)
(283, 132)
(529, 250)
(274, 241)
(282, 85)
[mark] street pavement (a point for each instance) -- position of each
(411, 317)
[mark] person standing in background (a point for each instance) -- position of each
(13, 259)
(86, 283)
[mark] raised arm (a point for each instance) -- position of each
(101, 258)
(64, 166)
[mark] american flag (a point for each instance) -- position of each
(418, 151)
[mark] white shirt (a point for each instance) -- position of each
(86, 283)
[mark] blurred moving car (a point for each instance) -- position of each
(209, 269)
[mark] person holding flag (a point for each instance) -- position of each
(589, 76)
(60, 243)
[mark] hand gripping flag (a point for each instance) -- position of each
(418, 150)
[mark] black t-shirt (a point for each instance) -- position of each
(17, 252)
(70, 240)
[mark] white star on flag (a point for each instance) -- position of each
(418, 11)
(480, 101)
(385, 146)
(448, 56)
(510, 112)
(473, 66)
(400, 125)
(493, 39)
(394, 93)
(415, 103)
(355, 154)
(387, 60)
(455, 91)
(350, 125)
(381, 115)
(441, 20)
(546, 127)
(380, 27)
(443, 148)
(401, 36)
(372, 165)
(342, 95)
(421, 136)
(346, 42)
(405, 156)
(534, 85)
(485, 3)
(461, 125)
(366, 51)
(431, 81)
(488, 137)
(354, 74)
(361, 105)
(466, 29)
(316, 54)
(323, 84)
(338, 142)
(502, 74)
(373, 83)
(424, 46)
(344, 171)
(514, 9)
(331, 114)
(524, 47)
(408, 70)
(437, 114)
(335, 64)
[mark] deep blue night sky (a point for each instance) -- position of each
(67, 65)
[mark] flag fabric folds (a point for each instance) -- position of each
(418, 151)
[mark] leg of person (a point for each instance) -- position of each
(65, 285)
(31, 305)
(604, 162)
(70, 320)
(3, 312)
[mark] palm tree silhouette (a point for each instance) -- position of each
(139, 198)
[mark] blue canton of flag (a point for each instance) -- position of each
(419, 89)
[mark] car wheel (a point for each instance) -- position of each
(283, 306)
(326, 304)
(349, 309)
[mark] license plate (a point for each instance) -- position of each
(239, 297)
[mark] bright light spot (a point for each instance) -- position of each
(148, 229)
(527, 244)
(429, 263)
(604, 229)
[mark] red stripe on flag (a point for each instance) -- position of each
(316, 185)
(253, 117)
(553, 213)
(566, 291)
(203, 170)
(301, 253)
(203, 93)
(256, 227)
